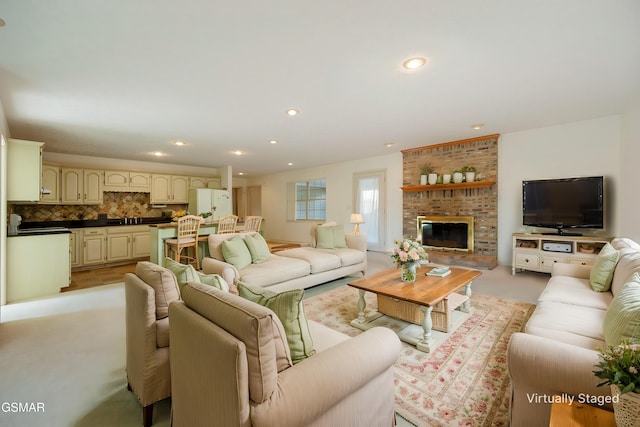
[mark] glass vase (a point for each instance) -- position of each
(408, 272)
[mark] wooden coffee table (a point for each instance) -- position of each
(428, 302)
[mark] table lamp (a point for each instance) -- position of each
(356, 219)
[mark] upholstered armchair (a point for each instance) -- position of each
(231, 366)
(148, 294)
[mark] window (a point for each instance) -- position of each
(307, 200)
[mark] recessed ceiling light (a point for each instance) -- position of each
(289, 164)
(413, 63)
(159, 153)
(273, 141)
(179, 143)
(292, 112)
(389, 144)
(477, 126)
(240, 173)
(238, 153)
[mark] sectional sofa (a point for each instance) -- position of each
(581, 310)
(331, 255)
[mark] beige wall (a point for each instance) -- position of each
(4, 133)
(339, 178)
(629, 195)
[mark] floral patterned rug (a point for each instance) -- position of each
(463, 382)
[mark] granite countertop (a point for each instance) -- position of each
(87, 223)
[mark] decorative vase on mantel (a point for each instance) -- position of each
(408, 272)
(626, 407)
(423, 179)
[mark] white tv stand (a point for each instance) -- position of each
(529, 251)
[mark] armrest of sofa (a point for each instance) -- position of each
(356, 241)
(541, 368)
(227, 271)
(571, 270)
(315, 385)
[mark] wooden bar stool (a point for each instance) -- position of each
(227, 224)
(252, 223)
(188, 229)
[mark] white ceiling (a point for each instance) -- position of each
(123, 78)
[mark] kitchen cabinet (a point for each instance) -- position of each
(75, 251)
(50, 184)
(127, 242)
(127, 181)
(37, 265)
(204, 182)
(171, 189)
(118, 247)
(94, 246)
(141, 244)
(81, 186)
(24, 170)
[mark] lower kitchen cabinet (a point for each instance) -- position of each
(106, 245)
(37, 265)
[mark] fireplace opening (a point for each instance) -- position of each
(454, 233)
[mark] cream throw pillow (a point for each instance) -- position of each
(622, 320)
(603, 268)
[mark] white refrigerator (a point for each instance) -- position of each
(202, 200)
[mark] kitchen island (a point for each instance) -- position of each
(161, 232)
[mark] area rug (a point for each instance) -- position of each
(463, 382)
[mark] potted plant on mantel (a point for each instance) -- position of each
(457, 176)
(426, 170)
(470, 173)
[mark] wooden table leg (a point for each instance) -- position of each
(466, 307)
(427, 326)
(361, 306)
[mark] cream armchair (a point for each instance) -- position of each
(231, 366)
(148, 294)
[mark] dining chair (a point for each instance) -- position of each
(188, 230)
(252, 223)
(227, 224)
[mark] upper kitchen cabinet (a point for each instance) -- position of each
(127, 181)
(170, 189)
(50, 184)
(81, 186)
(24, 166)
(204, 182)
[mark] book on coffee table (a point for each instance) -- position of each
(439, 272)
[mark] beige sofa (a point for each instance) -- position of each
(298, 268)
(231, 366)
(557, 353)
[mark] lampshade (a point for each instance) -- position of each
(356, 219)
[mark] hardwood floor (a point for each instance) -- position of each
(99, 276)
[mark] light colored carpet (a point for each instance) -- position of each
(68, 352)
(464, 381)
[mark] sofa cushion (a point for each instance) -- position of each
(288, 307)
(603, 267)
(622, 320)
(162, 332)
(319, 260)
(277, 270)
(572, 324)
(186, 273)
(347, 256)
(628, 262)
(215, 243)
(236, 253)
(576, 291)
(163, 282)
(256, 326)
(258, 248)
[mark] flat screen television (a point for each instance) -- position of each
(564, 203)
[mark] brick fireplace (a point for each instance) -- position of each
(478, 199)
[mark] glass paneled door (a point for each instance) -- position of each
(369, 191)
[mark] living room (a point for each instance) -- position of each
(599, 140)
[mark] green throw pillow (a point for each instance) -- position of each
(214, 280)
(236, 253)
(338, 237)
(184, 272)
(258, 248)
(288, 307)
(324, 237)
(622, 320)
(603, 267)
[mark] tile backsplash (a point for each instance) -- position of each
(114, 205)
